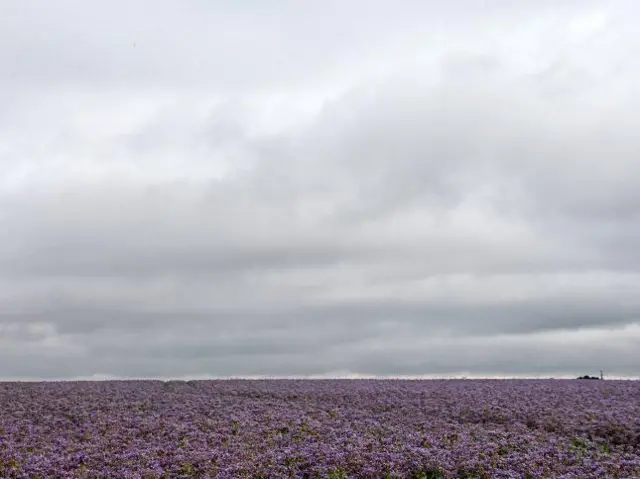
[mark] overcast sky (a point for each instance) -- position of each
(215, 188)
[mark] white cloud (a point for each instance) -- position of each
(278, 190)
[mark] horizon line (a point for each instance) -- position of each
(185, 378)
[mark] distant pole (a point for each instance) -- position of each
(601, 374)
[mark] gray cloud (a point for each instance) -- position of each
(255, 190)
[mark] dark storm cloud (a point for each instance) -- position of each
(225, 190)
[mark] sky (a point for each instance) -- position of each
(317, 189)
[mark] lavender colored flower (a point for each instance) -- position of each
(320, 429)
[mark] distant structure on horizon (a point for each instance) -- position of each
(586, 376)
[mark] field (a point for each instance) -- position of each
(312, 429)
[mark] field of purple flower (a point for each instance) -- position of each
(314, 429)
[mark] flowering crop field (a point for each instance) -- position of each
(313, 429)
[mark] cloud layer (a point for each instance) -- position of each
(215, 189)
